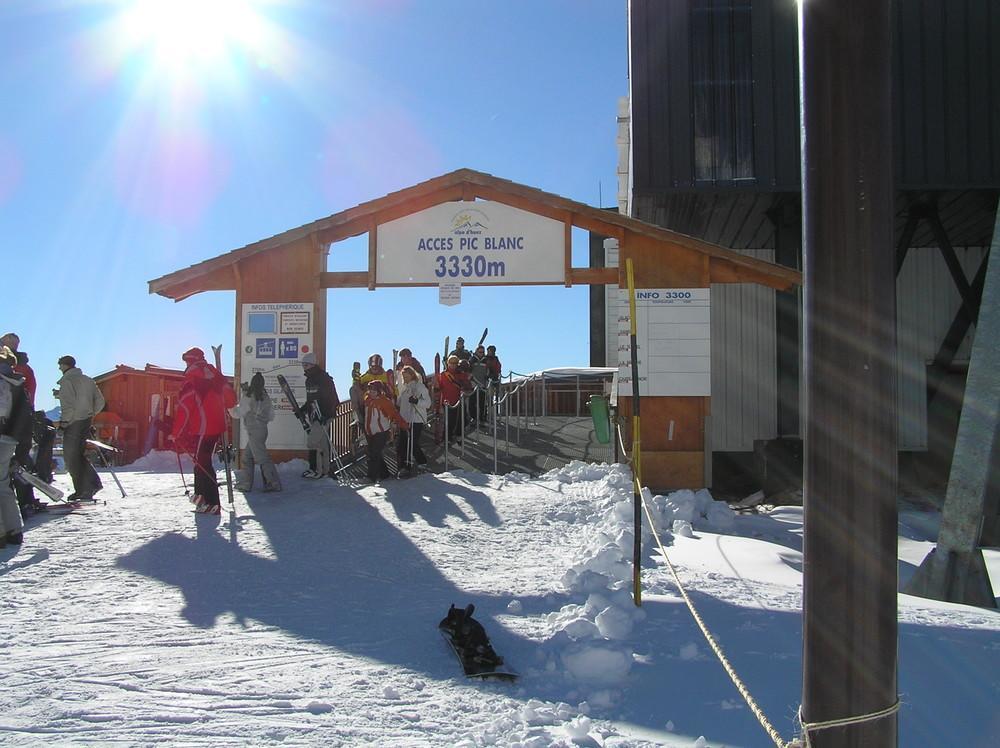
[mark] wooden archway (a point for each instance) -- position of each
(291, 267)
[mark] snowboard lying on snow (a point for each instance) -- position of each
(468, 640)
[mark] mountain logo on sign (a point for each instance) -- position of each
(469, 222)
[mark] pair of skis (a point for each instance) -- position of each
(217, 350)
(307, 422)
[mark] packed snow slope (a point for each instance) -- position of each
(310, 618)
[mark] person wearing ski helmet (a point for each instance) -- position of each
(199, 421)
(320, 407)
(380, 415)
(377, 372)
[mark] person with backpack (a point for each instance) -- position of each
(380, 414)
(320, 407)
(255, 411)
(14, 410)
(413, 402)
(199, 421)
(79, 401)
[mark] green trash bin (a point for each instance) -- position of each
(602, 421)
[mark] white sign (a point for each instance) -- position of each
(673, 341)
(450, 294)
(471, 242)
(275, 338)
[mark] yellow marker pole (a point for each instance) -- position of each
(636, 452)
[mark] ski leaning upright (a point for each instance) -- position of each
(217, 350)
(306, 422)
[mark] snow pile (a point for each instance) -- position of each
(162, 461)
(593, 638)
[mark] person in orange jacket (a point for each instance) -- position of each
(199, 421)
(380, 414)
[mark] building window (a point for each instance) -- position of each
(722, 90)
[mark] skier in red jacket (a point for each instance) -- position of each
(199, 421)
(453, 382)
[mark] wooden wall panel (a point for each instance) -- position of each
(686, 414)
(669, 471)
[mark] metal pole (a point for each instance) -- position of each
(849, 323)
(636, 445)
(446, 409)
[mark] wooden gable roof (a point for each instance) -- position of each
(220, 273)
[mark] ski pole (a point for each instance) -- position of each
(111, 470)
(180, 469)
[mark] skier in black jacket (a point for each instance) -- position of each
(320, 406)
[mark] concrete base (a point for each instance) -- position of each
(955, 578)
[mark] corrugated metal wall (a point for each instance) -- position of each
(744, 381)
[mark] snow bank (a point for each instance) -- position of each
(162, 461)
(591, 640)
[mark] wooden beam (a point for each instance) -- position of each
(344, 279)
(593, 276)
(568, 250)
(372, 251)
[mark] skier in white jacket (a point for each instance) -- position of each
(413, 401)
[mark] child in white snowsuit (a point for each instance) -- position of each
(380, 414)
(255, 411)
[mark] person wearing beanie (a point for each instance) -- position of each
(79, 401)
(199, 421)
(320, 407)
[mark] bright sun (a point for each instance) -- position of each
(180, 38)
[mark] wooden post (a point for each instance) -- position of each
(849, 573)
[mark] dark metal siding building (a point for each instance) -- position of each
(715, 154)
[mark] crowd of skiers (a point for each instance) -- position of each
(383, 402)
(22, 428)
(398, 400)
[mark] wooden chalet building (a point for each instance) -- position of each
(132, 396)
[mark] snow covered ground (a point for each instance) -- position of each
(310, 619)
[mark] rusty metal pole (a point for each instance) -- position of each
(850, 470)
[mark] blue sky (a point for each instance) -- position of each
(143, 136)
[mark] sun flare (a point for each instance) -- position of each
(179, 38)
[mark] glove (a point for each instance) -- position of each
(414, 399)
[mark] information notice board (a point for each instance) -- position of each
(275, 338)
(673, 340)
